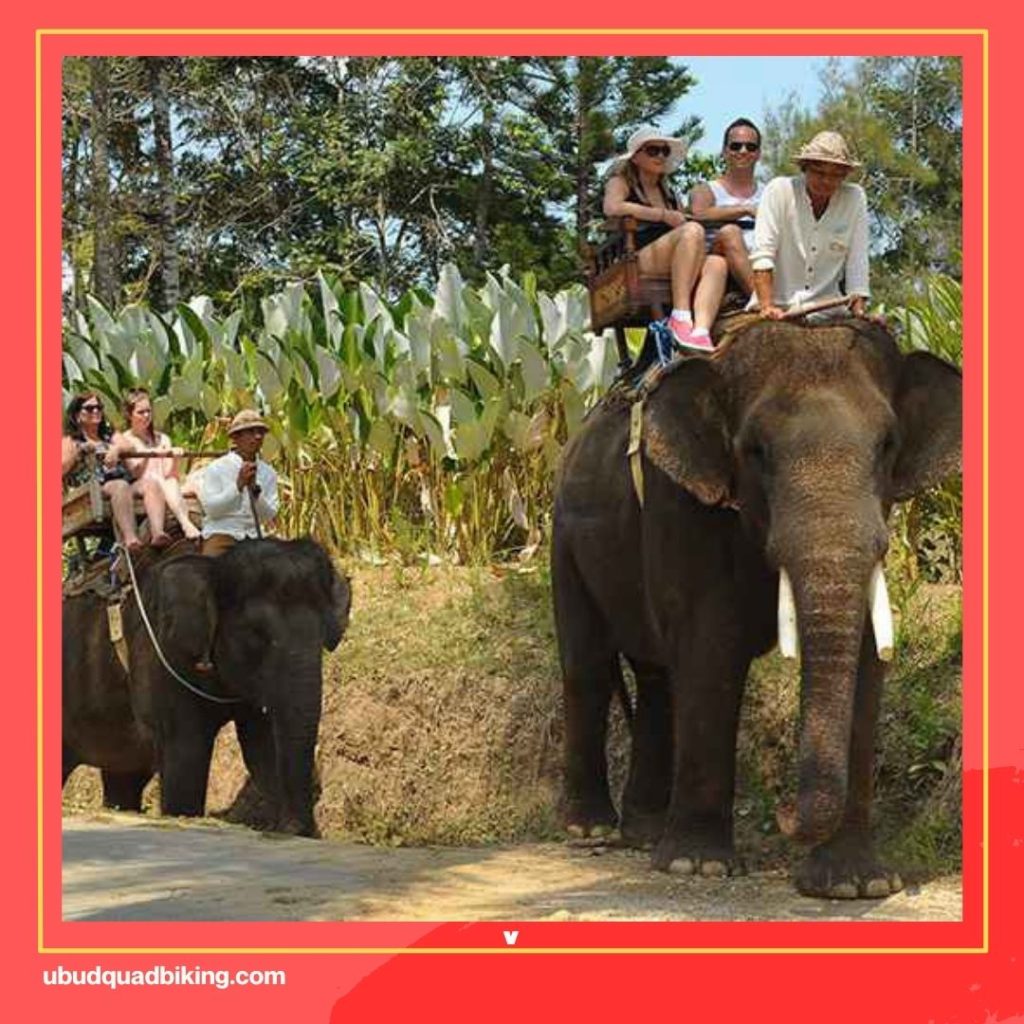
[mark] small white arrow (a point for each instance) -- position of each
(510, 938)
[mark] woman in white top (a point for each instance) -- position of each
(141, 434)
(734, 196)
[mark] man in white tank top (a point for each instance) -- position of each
(728, 204)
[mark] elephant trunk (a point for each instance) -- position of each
(295, 728)
(830, 606)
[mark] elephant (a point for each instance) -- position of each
(768, 473)
(246, 630)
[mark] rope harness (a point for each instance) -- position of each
(191, 687)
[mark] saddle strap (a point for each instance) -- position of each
(636, 468)
(116, 629)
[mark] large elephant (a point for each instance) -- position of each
(768, 474)
(248, 630)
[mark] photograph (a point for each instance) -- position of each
(515, 511)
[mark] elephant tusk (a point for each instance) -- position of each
(881, 613)
(789, 644)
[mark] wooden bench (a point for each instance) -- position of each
(620, 295)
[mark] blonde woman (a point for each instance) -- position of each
(668, 243)
(143, 436)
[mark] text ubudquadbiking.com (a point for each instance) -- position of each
(114, 979)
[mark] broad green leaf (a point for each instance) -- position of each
(517, 429)
(470, 439)
(448, 302)
(329, 372)
(463, 407)
(536, 375)
(486, 383)
(331, 310)
(382, 438)
(270, 383)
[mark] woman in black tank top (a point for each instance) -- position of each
(668, 243)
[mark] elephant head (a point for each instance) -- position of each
(261, 614)
(812, 434)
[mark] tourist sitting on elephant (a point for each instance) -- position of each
(732, 197)
(239, 490)
(811, 234)
(667, 242)
(143, 436)
(86, 430)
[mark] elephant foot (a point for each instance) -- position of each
(846, 869)
(697, 852)
(642, 829)
(591, 822)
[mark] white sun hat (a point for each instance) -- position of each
(642, 136)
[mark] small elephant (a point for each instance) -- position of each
(248, 630)
(768, 473)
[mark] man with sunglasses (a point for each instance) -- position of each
(730, 202)
(811, 236)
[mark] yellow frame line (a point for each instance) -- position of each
(983, 33)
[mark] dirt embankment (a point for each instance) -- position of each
(442, 729)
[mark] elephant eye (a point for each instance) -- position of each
(755, 451)
(887, 445)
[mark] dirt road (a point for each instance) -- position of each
(121, 867)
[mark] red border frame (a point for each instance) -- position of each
(992, 948)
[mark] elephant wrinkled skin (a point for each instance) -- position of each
(262, 614)
(785, 452)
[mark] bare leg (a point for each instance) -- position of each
(120, 494)
(176, 503)
(153, 500)
(680, 254)
(729, 243)
(710, 289)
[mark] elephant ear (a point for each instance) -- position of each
(686, 432)
(928, 406)
(186, 609)
(337, 612)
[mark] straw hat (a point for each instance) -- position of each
(642, 136)
(827, 148)
(247, 419)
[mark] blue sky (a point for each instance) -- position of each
(731, 87)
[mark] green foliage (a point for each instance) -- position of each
(430, 426)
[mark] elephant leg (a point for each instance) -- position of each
(590, 674)
(707, 688)
(648, 785)
(185, 752)
(256, 739)
(122, 791)
(845, 867)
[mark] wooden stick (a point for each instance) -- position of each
(814, 307)
(168, 454)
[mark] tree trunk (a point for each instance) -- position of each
(104, 283)
(162, 145)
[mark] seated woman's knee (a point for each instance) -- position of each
(692, 230)
(729, 237)
(715, 264)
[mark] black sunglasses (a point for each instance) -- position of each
(656, 149)
(92, 408)
(750, 147)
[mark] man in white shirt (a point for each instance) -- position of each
(811, 233)
(238, 487)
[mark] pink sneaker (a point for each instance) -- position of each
(683, 334)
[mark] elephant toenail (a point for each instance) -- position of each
(682, 866)
(843, 891)
(877, 888)
(714, 869)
